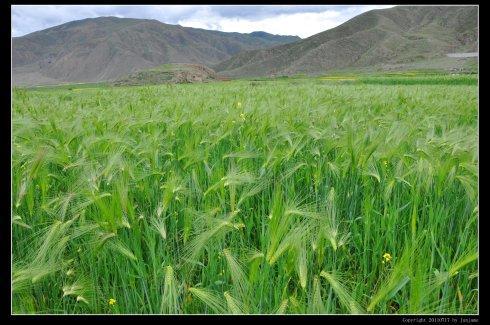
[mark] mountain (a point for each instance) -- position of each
(106, 48)
(401, 34)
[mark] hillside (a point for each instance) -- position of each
(106, 48)
(399, 35)
(168, 73)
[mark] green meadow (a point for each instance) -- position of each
(354, 194)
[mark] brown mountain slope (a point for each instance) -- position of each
(106, 48)
(396, 35)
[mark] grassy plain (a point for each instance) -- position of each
(294, 195)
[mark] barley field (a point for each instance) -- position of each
(287, 196)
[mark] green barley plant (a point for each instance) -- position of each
(285, 196)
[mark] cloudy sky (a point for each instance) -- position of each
(298, 20)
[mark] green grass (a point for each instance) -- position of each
(423, 79)
(244, 197)
(68, 86)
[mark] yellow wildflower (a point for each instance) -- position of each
(112, 301)
(242, 116)
(239, 104)
(387, 257)
(238, 225)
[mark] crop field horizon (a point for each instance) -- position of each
(340, 195)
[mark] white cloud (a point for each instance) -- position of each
(303, 21)
(29, 18)
(300, 24)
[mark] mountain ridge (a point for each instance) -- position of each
(384, 36)
(105, 48)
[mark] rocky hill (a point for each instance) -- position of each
(169, 73)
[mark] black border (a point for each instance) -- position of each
(5, 225)
(376, 319)
(250, 2)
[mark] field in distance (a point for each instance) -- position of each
(335, 194)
